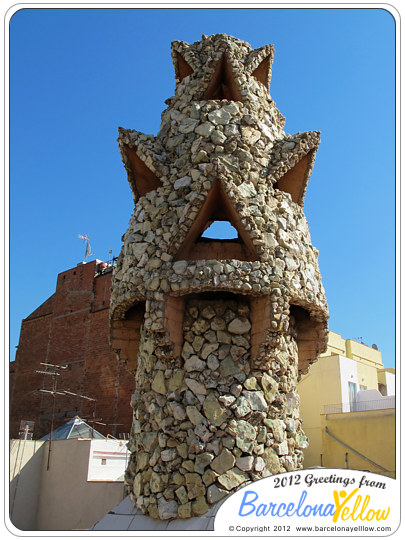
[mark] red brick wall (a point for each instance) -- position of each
(71, 328)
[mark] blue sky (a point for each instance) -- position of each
(78, 74)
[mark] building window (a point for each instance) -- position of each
(352, 396)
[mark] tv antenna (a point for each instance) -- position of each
(359, 339)
(52, 370)
(86, 239)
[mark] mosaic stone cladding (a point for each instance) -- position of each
(216, 331)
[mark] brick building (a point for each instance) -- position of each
(71, 329)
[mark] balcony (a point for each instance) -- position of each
(386, 402)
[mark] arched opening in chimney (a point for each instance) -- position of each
(206, 317)
(216, 335)
(126, 335)
(309, 336)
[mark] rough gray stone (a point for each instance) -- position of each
(169, 454)
(219, 117)
(239, 326)
(195, 386)
(213, 411)
(271, 460)
(256, 400)
(194, 415)
(194, 363)
(167, 509)
(245, 463)
(204, 130)
(228, 367)
(223, 462)
(215, 494)
(241, 407)
(233, 478)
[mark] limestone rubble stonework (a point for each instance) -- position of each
(216, 331)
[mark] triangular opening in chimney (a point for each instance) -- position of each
(145, 180)
(220, 230)
(294, 180)
(222, 84)
(183, 68)
(217, 208)
(261, 73)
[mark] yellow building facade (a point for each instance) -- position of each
(348, 409)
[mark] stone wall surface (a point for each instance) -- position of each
(215, 331)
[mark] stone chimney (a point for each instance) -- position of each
(216, 331)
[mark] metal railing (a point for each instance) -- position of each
(358, 406)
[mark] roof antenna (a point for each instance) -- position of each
(86, 238)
